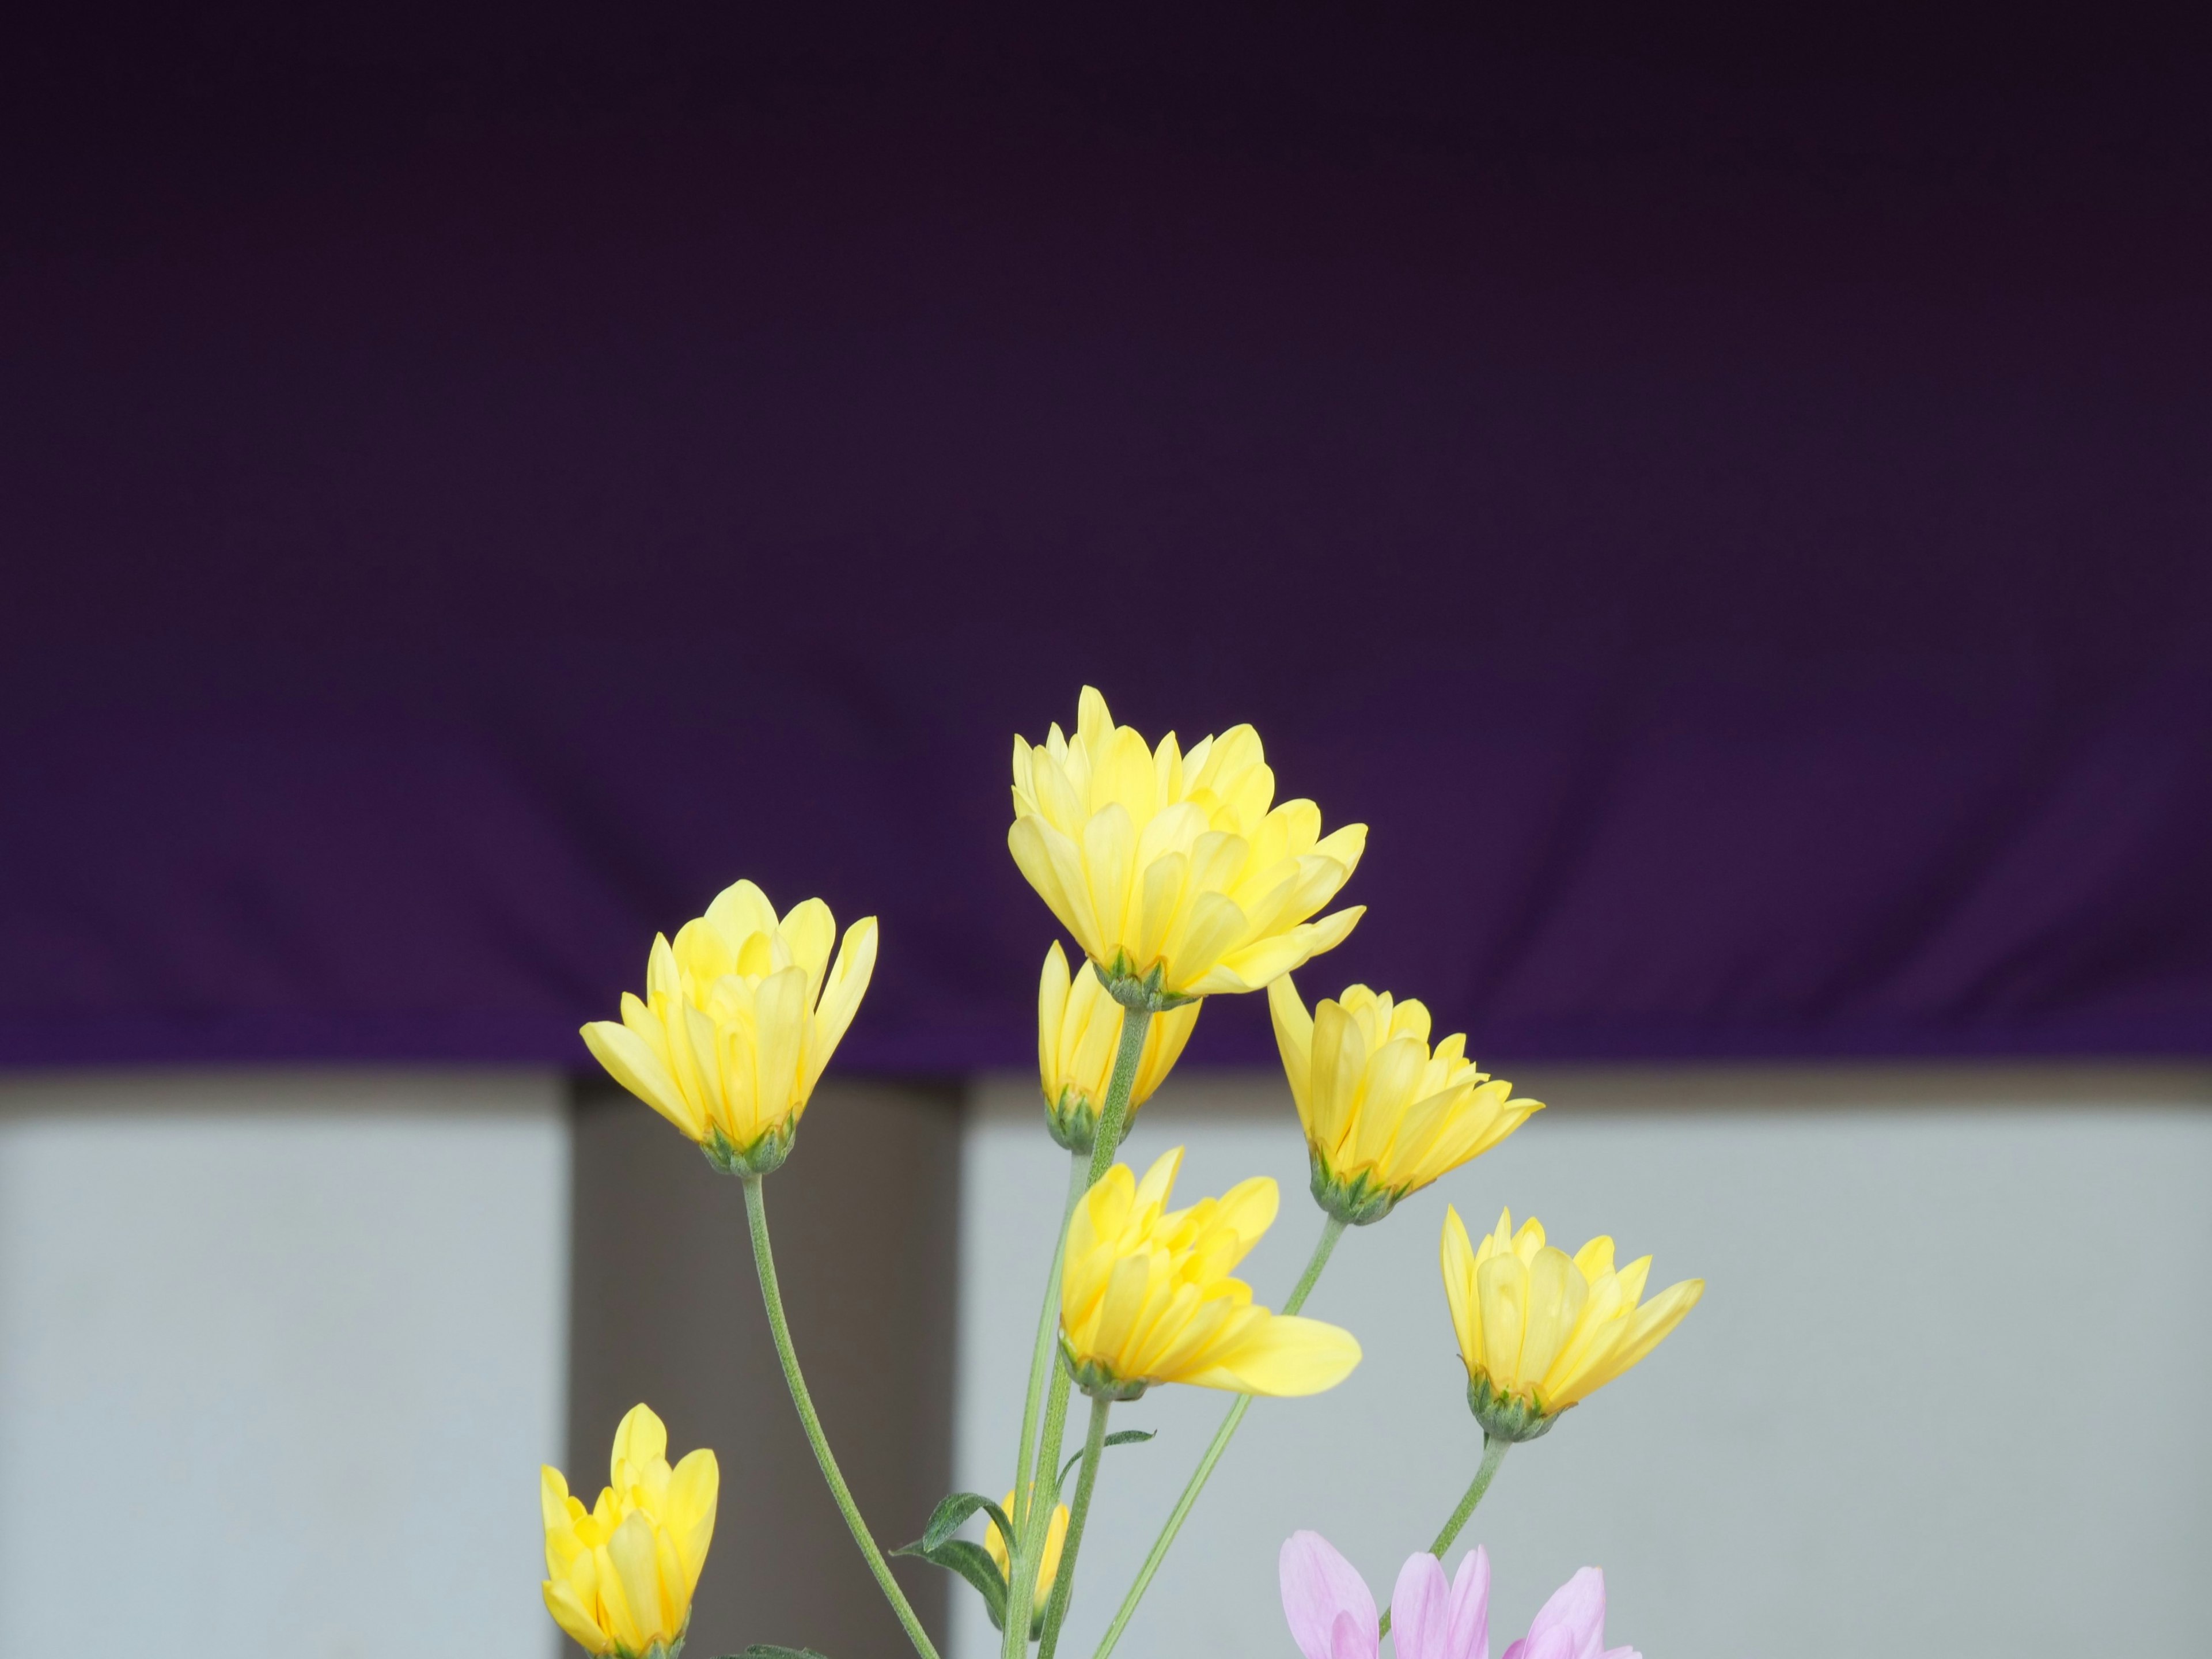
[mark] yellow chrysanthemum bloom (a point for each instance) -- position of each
(1078, 1031)
(1055, 1538)
(620, 1575)
(739, 1018)
(1541, 1330)
(1146, 1295)
(1384, 1114)
(1175, 872)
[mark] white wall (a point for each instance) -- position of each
(1944, 1396)
(280, 1355)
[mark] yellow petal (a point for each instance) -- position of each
(1284, 1356)
(694, 1491)
(635, 1554)
(1159, 1184)
(573, 1618)
(1294, 1029)
(1457, 1259)
(641, 1439)
(631, 1062)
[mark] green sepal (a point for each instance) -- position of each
(950, 1516)
(660, 1650)
(1074, 1120)
(763, 1157)
(1097, 1381)
(1508, 1417)
(972, 1561)
(1132, 990)
(1357, 1202)
(1119, 1438)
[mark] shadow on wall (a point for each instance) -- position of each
(666, 1309)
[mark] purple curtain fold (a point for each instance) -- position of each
(1746, 558)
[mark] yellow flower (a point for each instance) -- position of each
(1055, 1536)
(1384, 1115)
(740, 1016)
(1172, 870)
(1541, 1330)
(1145, 1296)
(619, 1576)
(1078, 1030)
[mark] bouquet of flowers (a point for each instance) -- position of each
(1180, 877)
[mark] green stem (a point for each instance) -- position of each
(1493, 1454)
(1041, 1350)
(1063, 1584)
(1106, 1141)
(1114, 1115)
(764, 1259)
(1024, 1567)
(1332, 1230)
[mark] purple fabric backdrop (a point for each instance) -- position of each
(1738, 533)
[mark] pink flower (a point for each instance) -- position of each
(1432, 1619)
(1571, 1625)
(1332, 1615)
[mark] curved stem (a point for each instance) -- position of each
(764, 1259)
(1493, 1454)
(1332, 1230)
(1063, 1585)
(1106, 1141)
(1041, 1352)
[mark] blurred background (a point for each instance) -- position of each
(1723, 494)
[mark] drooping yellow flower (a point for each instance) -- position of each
(1384, 1114)
(1055, 1537)
(1175, 872)
(1146, 1295)
(1078, 1031)
(739, 1018)
(620, 1575)
(1540, 1330)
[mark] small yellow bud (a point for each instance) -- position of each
(1174, 1315)
(1055, 1539)
(1384, 1114)
(620, 1576)
(1540, 1330)
(1078, 1032)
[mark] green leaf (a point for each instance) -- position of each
(973, 1563)
(950, 1516)
(1119, 1438)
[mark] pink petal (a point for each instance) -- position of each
(1349, 1639)
(1469, 1634)
(1621, 1653)
(1577, 1609)
(1420, 1609)
(1320, 1587)
(1518, 1650)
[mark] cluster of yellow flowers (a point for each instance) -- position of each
(1180, 877)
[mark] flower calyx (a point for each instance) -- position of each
(1074, 1120)
(1097, 1381)
(1141, 992)
(1508, 1417)
(1358, 1202)
(763, 1156)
